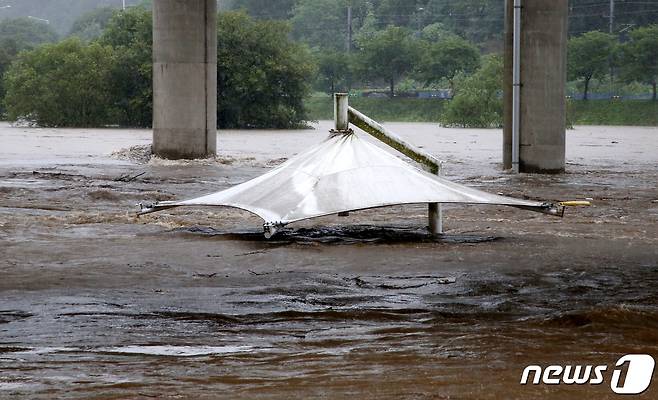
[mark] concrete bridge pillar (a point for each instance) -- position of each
(184, 78)
(543, 72)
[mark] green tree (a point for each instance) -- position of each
(17, 35)
(477, 102)
(387, 55)
(333, 70)
(475, 20)
(446, 58)
(589, 57)
(640, 56)
(436, 32)
(323, 23)
(8, 52)
(263, 9)
(63, 84)
(320, 23)
(369, 26)
(91, 25)
(405, 13)
(263, 76)
(27, 33)
(130, 34)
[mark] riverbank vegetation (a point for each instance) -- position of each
(401, 60)
(263, 76)
(399, 109)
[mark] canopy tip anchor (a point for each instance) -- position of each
(271, 228)
(145, 208)
(574, 203)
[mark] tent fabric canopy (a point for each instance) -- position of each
(343, 173)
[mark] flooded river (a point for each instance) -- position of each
(195, 303)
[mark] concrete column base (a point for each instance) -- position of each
(184, 78)
(543, 85)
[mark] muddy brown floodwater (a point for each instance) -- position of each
(194, 303)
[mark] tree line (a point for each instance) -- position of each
(319, 22)
(432, 59)
(479, 21)
(597, 55)
(102, 73)
(106, 79)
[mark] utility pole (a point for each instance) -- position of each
(419, 12)
(516, 87)
(349, 29)
(612, 17)
(348, 46)
(611, 29)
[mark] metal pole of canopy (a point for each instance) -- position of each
(341, 118)
(435, 216)
(344, 115)
(516, 87)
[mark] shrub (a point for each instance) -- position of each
(477, 102)
(263, 76)
(130, 34)
(63, 84)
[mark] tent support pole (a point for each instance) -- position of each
(341, 121)
(435, 216)
(435, 219)
(344, 115)
(341, 117)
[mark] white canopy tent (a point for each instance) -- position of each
(343, 173)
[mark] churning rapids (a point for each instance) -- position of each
(194, 303)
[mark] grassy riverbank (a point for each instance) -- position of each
(593, 112)
(616, 112)
(381, 109)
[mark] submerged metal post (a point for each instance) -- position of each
(435, 215)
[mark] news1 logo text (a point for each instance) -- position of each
(631, 374)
